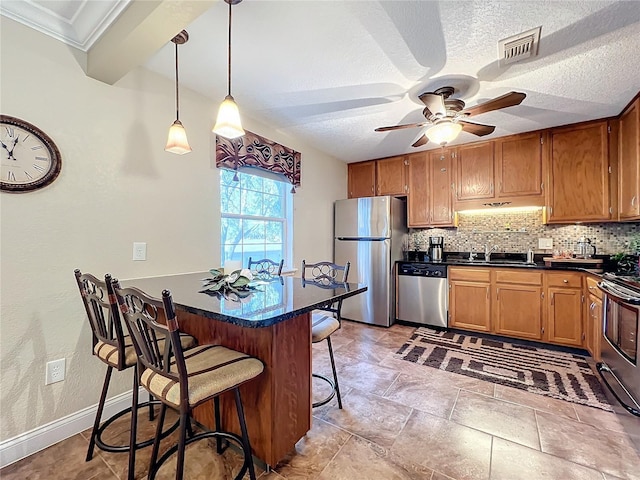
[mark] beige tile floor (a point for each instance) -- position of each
(400, 421)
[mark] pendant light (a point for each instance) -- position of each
(228, 122)
(177, 140)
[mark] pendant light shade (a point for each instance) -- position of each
(443, 132)
(177, 139)
(228, 123)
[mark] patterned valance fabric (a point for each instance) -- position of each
(258, 152)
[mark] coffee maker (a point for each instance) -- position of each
(435, 248)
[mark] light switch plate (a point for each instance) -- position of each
(545, 243)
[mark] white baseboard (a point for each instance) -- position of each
(33, 441)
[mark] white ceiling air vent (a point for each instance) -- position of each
(519, 47)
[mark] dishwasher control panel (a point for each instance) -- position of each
(422, 270)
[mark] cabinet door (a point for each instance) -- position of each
(579, 174)
(629, 163)
(469, 305)
(518, 311)
(362, 179)
(594, 327)
(519, 166)
(441, 191)
(391, 176)
(419, 211)
(475, 171)
(564, 316)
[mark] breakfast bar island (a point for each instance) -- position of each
(272, 323)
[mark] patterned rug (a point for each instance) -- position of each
(556, 374)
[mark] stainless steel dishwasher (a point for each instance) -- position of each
(423, 293)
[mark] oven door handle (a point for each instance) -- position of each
(601, 367)
(616, 293)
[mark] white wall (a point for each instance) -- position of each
(117, 186)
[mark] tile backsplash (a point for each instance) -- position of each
(518, 231)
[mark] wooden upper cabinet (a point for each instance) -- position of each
(441, 170)
(474, 179)
(391, 176)
(629, 163)
(579, 174)
(418, 200)
(519, 165)
(361, 179)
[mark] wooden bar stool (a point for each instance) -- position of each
(183, 380)
(326, 320)
(115, 349)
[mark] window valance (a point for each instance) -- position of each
(252, 150)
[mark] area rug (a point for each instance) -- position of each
(544, 371)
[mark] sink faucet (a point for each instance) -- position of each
(471, 256)
(488, 251)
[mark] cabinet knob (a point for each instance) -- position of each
(633, 201)
(565, 281)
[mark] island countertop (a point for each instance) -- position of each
(271, 302)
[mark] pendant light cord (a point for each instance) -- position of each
(229, 54)
(177, 97)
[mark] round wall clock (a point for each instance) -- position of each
(30, 159)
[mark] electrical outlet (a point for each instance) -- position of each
(545, 243)
(55, 371)
(139, 251)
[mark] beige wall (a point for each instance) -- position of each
(117, 186)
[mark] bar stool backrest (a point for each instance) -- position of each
(148, 333)
(103, 315)
(266, 267)
(326, 275)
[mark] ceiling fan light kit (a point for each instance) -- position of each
(443, 132)
(177, 139)
(228, 123)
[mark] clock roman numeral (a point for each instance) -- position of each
(37, 147)
(40, 168)
(42, 159)
(28, 135)
(11, 177)
(28, 175)
(9, 131)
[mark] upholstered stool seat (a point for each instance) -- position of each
(322, 325)
(110, 354)
(211, 369)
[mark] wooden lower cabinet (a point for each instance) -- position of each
(593, 318)
(518, 311)
(470, 298)
(564, 316)
(533, 305)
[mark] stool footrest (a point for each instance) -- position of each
(330, 396)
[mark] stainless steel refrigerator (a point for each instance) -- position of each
(369, 233)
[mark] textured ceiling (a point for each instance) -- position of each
(330, 72)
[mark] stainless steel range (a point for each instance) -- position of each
(619, 368)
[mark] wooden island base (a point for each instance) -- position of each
(277, 404)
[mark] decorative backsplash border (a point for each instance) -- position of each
(518, 231)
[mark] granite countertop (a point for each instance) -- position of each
(506, 260)
(272, 301)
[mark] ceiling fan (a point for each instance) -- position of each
(447, 116)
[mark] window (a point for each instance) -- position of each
(256, 218)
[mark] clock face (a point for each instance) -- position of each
(30, 159)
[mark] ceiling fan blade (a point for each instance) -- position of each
(398, 127)
(434, 103)
(507, 100)
(421, 141)
(476, 128)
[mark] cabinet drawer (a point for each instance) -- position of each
(469, 274)
(592, 287)
(516, 275)
(564, 279)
